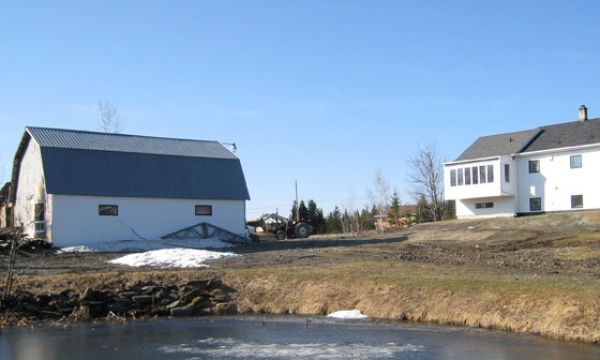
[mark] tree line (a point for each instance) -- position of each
(384, 208)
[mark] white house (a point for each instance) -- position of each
(79, 187)
(551, 168)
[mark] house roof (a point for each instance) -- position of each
(574, 133)
(99, 164)
(88, 140)
(500, 144)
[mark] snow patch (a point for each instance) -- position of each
(347, 314)
(75, 249)
(177, 257)
(147, 245)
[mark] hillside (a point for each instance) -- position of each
(536, 275)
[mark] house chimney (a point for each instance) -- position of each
(583, 113)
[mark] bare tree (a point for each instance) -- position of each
(109, 117)
(426, 176)
(380, 195)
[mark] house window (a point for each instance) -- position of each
(576, 201)
(467, 176)
(534, 166)
(460, 177)
(474, 173)
(453, 177)
(535, 204)
(108, 210)
(482, 174)
(203, 210)
(506, 172)
(576, 162)
(487, 205)
(490, 173)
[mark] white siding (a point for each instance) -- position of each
(472, 191)
(75, 219)
(556, 181)
(30, 187)
(503, 206)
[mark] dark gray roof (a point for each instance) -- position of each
(110, 173)
(88, 140)
(573, 133)
(98, 164)
(500, 144)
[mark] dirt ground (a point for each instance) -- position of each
(554, 243)
(538, 274)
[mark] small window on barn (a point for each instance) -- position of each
(39, 212)
(576, 162)
(108, 210)
(203, 210)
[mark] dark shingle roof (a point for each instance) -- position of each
(501, 144)
(573, 133)
(98, 164)
(88, 140)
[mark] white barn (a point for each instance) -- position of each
(78, 187)
(551, 168)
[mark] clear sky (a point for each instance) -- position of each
(325, 92)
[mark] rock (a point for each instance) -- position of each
(182, 311)
(174, 304)
(142, 299)
(225, 308)
(187, 297)
(218, 295)
(128, 294)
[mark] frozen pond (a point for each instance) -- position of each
(277, 338)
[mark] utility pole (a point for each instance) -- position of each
(297, 204)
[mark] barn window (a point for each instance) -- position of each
(203, 210)
(39, 212)
(108, 210)
(534, 166)
(576, 161)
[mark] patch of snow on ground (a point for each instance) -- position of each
(177, 257)
(146, 245)
(347, 314)
(75, 249)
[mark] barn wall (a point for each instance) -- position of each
(75, 219)
(30, 188)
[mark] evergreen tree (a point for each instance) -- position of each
(320, 223)
(334, 221)
(424, 213)
(311, 212)
(394, 212)
(303, 211)
(294, 210)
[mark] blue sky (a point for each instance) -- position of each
(325, 92)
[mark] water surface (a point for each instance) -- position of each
(277, 338)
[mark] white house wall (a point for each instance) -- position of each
(75, 219)
(30, 187)
(556, 181)
(503, 206)
(473, 191)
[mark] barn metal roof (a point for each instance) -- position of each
(88, 140)
(98, 164)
